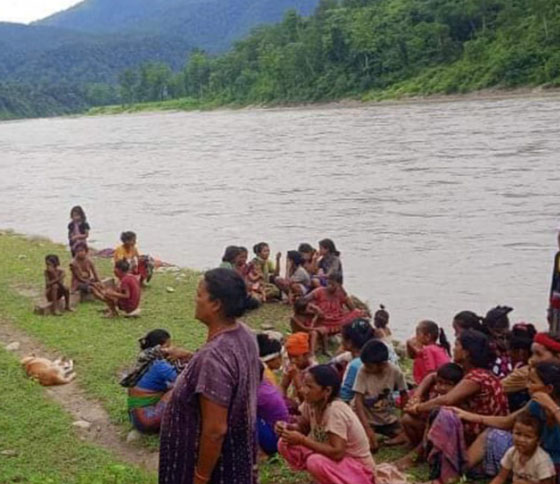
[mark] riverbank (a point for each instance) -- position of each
(101, 349)
(393, 96)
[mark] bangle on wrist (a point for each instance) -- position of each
(199, 476)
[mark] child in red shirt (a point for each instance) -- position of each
(127, 295)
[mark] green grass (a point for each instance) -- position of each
(102, 349)
(47, 450)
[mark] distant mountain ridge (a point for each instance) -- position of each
(208, 24)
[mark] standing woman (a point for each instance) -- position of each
(554, 308)
(208, 432)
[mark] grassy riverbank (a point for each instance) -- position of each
(38, 430)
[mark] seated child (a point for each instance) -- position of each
(381, 323)
(414, 426)
(332, 305)
(84, 274)
(150, 383)
(262, 272)
(515, 384)
(140, 266)
(270, 352)
(54, 284)
(526, 462)
(428, 355)
(299, 353)
(297, 281)
(271, 409)
(354, 336)
(305, 321)
(375, 383)
(127, 295)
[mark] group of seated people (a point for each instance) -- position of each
(130, 268)
(488, 408)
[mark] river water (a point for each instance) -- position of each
(436, 207)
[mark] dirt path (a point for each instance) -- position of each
(75, 401)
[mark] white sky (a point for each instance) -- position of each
(25, 11)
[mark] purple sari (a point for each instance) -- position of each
(226, 370)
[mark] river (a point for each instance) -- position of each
(436, 207)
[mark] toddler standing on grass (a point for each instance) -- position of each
(54, 284)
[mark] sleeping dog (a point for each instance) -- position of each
(47, 372)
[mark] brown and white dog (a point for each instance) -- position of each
(49, 373)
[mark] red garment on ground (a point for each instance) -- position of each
(336, 315)
(130, 282)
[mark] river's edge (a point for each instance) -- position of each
(189, 105)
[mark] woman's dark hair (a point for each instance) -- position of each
(327, 377)
(497, 318)
(381, 317)
(521, 336)
(122, 265)
(469, 320)
(477, 345)
(243, 250)
(127, 236)
(268, 345)
(328, 244)
(549, 373)
(358, 332)
(335, 277)
(451, 372)
(228, 287)
(295, 257)
(374, 351)
(435, 333)
(154, 338)
(257, 248)
(231, 252)
(78, 210)
(52, 259)
(306, 248)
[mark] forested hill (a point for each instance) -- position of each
(211, 25)
(349, 48)
(377, 48)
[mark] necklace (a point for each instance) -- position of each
(224, 329)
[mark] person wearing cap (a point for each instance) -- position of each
(299, 353)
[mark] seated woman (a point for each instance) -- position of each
(479, 390)
(544, 388)
(262, 272)
(150, 383)
(297, 281)
(326, 262)
(231, 258)
(271, 409)
(333, 306)
(328, 442)
(515, 384)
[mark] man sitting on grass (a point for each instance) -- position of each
(127, 295)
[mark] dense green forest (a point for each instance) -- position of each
(372, 49)
(365, 49)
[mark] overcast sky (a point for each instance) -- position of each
(25, 11)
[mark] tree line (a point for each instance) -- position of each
(366, 47)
